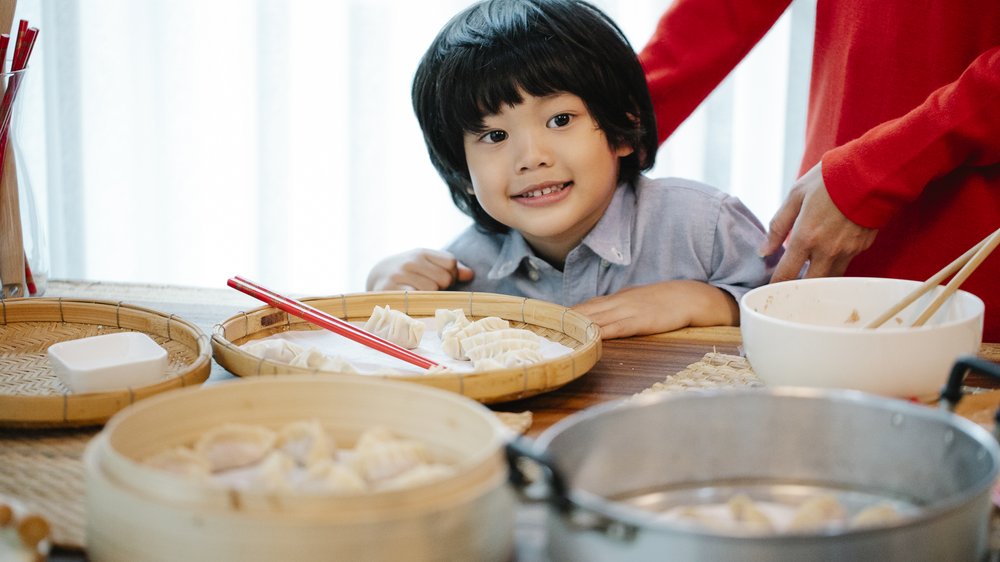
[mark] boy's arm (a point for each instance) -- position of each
(421, 269)
(661, 307)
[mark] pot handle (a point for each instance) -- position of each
(521, 448)
(951, 394)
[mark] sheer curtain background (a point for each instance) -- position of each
(186, 141)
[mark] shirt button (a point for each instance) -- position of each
(604, 263)
(533, 274)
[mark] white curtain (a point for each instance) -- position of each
(187, 141)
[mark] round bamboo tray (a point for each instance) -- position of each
(552, 321)
(32, 395)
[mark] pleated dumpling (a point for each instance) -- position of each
(313, 358)
(280, 350)
(327, 476)
(380, 455)
(509, 359)
(449, 321)
(234, 445)
(498, 347)
(395, 326)
(182, 461)
(451, 341)
(420, 474)
(272, 474)
(306, 442)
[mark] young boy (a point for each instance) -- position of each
(537, 116)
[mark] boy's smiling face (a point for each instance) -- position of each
(544, 168)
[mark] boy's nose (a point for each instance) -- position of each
(534, 153)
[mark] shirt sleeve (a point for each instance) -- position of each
(736, 266)
(958, 125)
(695, 45)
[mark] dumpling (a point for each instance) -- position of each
(816, 513)
(508, 359)
(271, 475)
(449, 321)
(234, 445)
(182, 461)
(875, 515)
(316, 359)
(498, 347)
(306, 442)
(379, 455)
(395, 326)
(451, 341)
(327, 476)
(420, 474)
(280, 350)
(748, 515)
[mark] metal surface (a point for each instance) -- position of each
(666, 448)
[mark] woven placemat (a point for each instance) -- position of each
(43, 469)
(714, 370)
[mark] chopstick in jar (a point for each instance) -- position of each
(964, 264)
(332, 323)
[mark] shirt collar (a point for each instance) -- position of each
(610, 239)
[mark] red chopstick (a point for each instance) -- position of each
(332, 323)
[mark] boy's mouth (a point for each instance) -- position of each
(541, 190)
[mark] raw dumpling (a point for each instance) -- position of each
(271, 475)
(327, 476)
(817, 513)
(395, 326)
(316, 359)
(182, 461)
(233, 445)
(449, 320)
(280, 350)
(379, 455)
(451, 341)
(508, 359)
(498, 347)
(420, 474)
(306, 442)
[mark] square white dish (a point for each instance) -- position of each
(108, 362)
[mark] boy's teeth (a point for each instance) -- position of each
(545, 191)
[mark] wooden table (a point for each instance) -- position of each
(627, 366)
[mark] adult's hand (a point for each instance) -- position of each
(819, 233)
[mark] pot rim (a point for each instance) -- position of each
(618, 512)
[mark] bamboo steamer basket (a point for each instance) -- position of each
(135, 512)
(550, 320)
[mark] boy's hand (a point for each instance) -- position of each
(660, 307)
(421, 269)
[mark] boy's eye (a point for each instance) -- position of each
(560, 120)
(494, 137)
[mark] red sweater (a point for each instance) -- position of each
(904, 112)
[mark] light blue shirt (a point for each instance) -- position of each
(655, 230)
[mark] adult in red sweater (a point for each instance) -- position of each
(901, 172)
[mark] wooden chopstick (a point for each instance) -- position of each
(332, 323)
(968, 262)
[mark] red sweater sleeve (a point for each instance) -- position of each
(958, 125)
(695, 45)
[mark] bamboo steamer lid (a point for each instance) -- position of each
(138, 513)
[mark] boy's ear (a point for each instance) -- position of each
(624, 150)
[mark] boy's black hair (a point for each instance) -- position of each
(488, 53)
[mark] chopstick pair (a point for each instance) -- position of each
(964, 264)
(332, 323)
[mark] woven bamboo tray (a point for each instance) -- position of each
(552, 321)
(31, 395)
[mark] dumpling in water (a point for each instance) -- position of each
(395, 326)
(875, 515)
(233, 445)
(817, 513)
(316, 359)
(280, 350)
(306, 442)
(182, 461)
(327, 476)
(748, 515)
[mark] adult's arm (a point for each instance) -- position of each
(695, 45)
(958, 125)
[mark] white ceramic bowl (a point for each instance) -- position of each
(810, 332)
(108, 362)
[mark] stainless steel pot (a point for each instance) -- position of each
(611, 469)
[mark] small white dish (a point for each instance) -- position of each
(108, 362)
